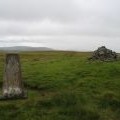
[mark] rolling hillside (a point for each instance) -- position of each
(25, 48)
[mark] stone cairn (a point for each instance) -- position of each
(104, 54)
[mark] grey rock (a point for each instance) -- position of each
(104, 54)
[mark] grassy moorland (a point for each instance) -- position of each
(65, 86)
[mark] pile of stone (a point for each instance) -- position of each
(104, 54)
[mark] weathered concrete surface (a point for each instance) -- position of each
(12, 80)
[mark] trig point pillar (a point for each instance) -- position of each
(12, 79)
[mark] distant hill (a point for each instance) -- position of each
(25, 48)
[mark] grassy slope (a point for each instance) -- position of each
(65, 86)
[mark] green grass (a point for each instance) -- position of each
(65, 86)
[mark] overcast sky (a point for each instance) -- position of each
(61, 24)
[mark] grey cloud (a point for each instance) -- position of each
(60, 23)
(37, 9)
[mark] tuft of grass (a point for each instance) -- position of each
(110, 100)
